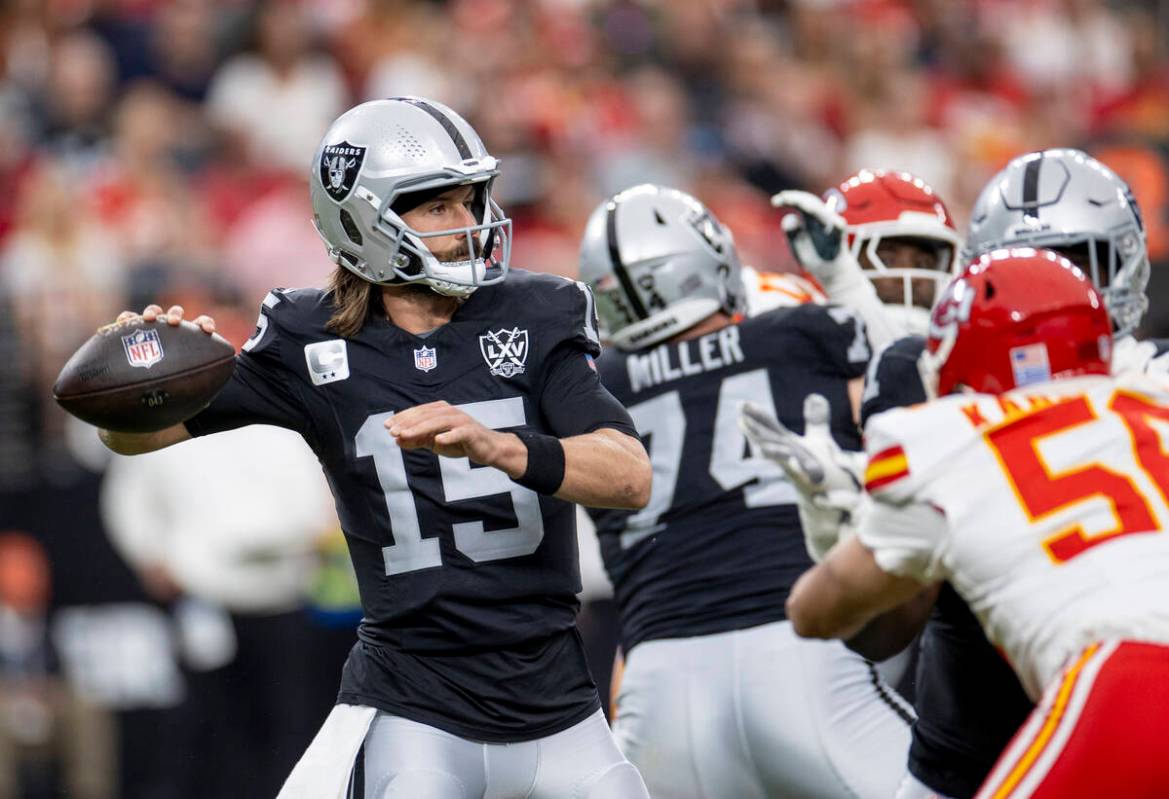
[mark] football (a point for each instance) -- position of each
(140, 377)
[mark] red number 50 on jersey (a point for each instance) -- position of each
(1042, 492)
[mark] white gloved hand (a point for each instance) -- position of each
(816, 234)
(827, 479)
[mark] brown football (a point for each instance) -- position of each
(139, 376)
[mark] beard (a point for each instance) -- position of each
(461, 252)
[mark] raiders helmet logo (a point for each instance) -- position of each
(339, 166)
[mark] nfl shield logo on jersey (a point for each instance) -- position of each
(425, 359)
(505, 351)
(142, 348)
(339, 166)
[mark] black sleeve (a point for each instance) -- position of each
(572, 311)
(838, 335)
(259, 391)
(573, 401)
(893, 380)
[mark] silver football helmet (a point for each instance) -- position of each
(1069, 202)
(659, 263)
(371, 159)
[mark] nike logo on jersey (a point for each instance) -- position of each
(671, 361)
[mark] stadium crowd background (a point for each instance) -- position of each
(157, 150)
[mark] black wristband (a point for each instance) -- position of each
(545, 472)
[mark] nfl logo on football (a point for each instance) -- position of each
(143, 348)
(425, 359)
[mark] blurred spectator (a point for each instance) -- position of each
(59, 263)
(75, 114)
(231, 520)
(404, 45)
(275, 236)
(657, 150)
(1067, 43)
(184, 52)
(141, 194)
(52, 742)
(1142, 106)
(16, 156)
(280, 97)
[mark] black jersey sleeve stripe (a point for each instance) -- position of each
(447, 124)
(619, 269)
(1031, 188)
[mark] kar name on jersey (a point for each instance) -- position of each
(719, 544)
(1044, 508)
(468, 580)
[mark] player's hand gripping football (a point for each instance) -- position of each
(172, 317)
(826, 477)
(816, 234)
(447, 431)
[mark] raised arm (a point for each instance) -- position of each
(604, 469)
(894, 630)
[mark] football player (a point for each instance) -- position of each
(890, 224)
(457, 415)
(1037, 485)
(969, 703)
(718, 697)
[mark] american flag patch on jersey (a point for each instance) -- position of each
(1030, 365)
(885, 467)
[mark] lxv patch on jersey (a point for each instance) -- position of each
(328, 361)
(505, 351)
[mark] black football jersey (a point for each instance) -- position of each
(468, 580)
(719, 545)
(969, 701)
(893, 380)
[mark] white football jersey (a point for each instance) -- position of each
(1045, 508)
(769, 290)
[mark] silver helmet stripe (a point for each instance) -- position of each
(635, 303)
(445, 121)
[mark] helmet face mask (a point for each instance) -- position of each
(408, 145)
(880, 207)
(1069, 202)
(658, 263)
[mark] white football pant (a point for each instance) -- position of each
(760, 714)
(408, 760)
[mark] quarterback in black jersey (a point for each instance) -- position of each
(718, 697)
(457, 415)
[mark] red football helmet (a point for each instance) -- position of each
(1013, 318)
(887, 208)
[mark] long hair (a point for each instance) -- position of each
(354, 301)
